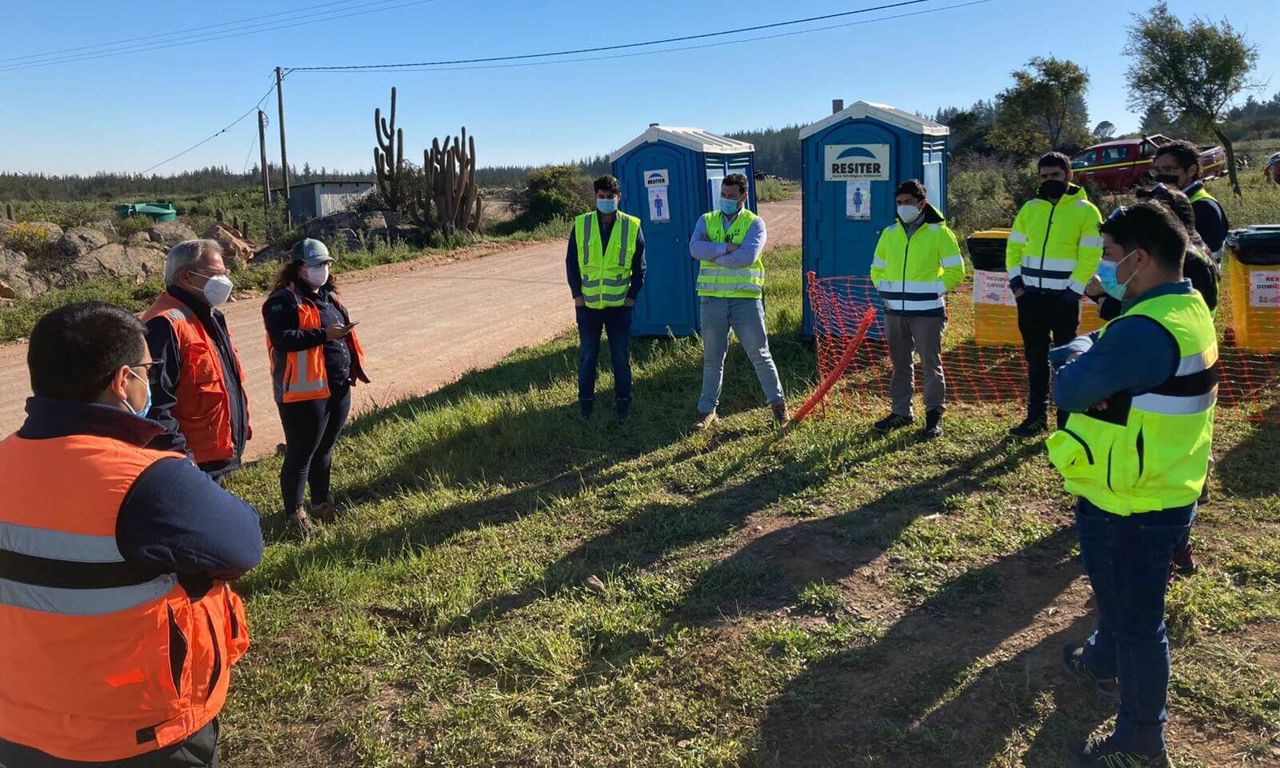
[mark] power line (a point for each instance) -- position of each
(254, 30)
(210, 138)
(204, 28)
(603, 48)
(935, 9)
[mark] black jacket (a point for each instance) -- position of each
(280, 315)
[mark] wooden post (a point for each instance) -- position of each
(284, 152)
(262, 150)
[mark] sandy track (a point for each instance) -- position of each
(422, 326)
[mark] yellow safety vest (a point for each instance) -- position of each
(606, 270)
(1156, 455)
(730, 282)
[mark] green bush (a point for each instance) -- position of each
(133, 225)
(554, 192)
(33, 239)
(774, 190)
(978, 197)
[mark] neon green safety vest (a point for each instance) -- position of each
(605, 270)
(729, 282)
(1156, 455)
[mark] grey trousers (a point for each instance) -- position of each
(908, 335)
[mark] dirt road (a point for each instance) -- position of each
(422, 326)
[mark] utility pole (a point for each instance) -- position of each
(262, 149)
(284, 153)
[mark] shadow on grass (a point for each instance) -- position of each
(532, 455)
(916, 697)
(1249, 469)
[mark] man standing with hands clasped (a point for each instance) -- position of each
(917, 261)
(1053, 251)
(729, 246)
(605, 266)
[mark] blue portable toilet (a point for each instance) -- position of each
(671, 176)
(851, 163)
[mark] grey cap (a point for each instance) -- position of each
(311, 252)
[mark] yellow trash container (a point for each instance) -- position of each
(995, 313)
(1252, 266)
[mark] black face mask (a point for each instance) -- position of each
(1167, 179)
(1052, 189)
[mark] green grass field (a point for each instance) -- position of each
(815, 596)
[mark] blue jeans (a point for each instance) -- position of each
(1127, 560)
(746, 318)
(616, 321)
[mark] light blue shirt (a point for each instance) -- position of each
(702, 249)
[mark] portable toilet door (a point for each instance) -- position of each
(851, 162)
(671, 176)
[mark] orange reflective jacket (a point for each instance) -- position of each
(99, 660)
(302, 375)
(203, 406)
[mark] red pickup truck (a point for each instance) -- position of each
(1125, 163)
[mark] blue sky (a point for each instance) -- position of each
(128, 112)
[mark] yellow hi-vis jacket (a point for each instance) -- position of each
(913, 272)
(1055, 246)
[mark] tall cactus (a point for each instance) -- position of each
(388, 156)
(449, 199)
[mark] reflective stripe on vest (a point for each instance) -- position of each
(302, 375)
(730, 282)
(102, 660)
(1155, 454)
(606, 269)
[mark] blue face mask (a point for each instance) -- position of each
(728, 207)
(1108, 275)
(146, 408)
(607, 205)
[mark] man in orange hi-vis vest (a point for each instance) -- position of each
(118, 625)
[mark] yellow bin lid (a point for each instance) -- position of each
(992, 234)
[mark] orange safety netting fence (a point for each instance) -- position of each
(982, 353)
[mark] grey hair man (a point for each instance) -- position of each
(197, 384)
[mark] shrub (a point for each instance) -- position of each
(32, 238)
(554, 192)
(774, 190)
(133, 225)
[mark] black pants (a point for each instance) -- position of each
(1043, 317)
(311, 427)
(199, 751)
(616, 321)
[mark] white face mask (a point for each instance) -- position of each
(217, 290)
(908, 213)
(315, 277)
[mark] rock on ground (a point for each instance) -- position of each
(170, 232)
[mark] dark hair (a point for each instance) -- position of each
(736, 180)
(1175, 200)
(76, 349)
(291, 274)
(607, 183)
(911, 187)
(1152, 227)
(1186, 153)
(1054, 160)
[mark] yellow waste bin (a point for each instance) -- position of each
(1252, 267)
(995, 313)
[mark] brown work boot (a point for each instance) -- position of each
(780, 414)
(326, 512)
(299, 525)
(705, 420)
